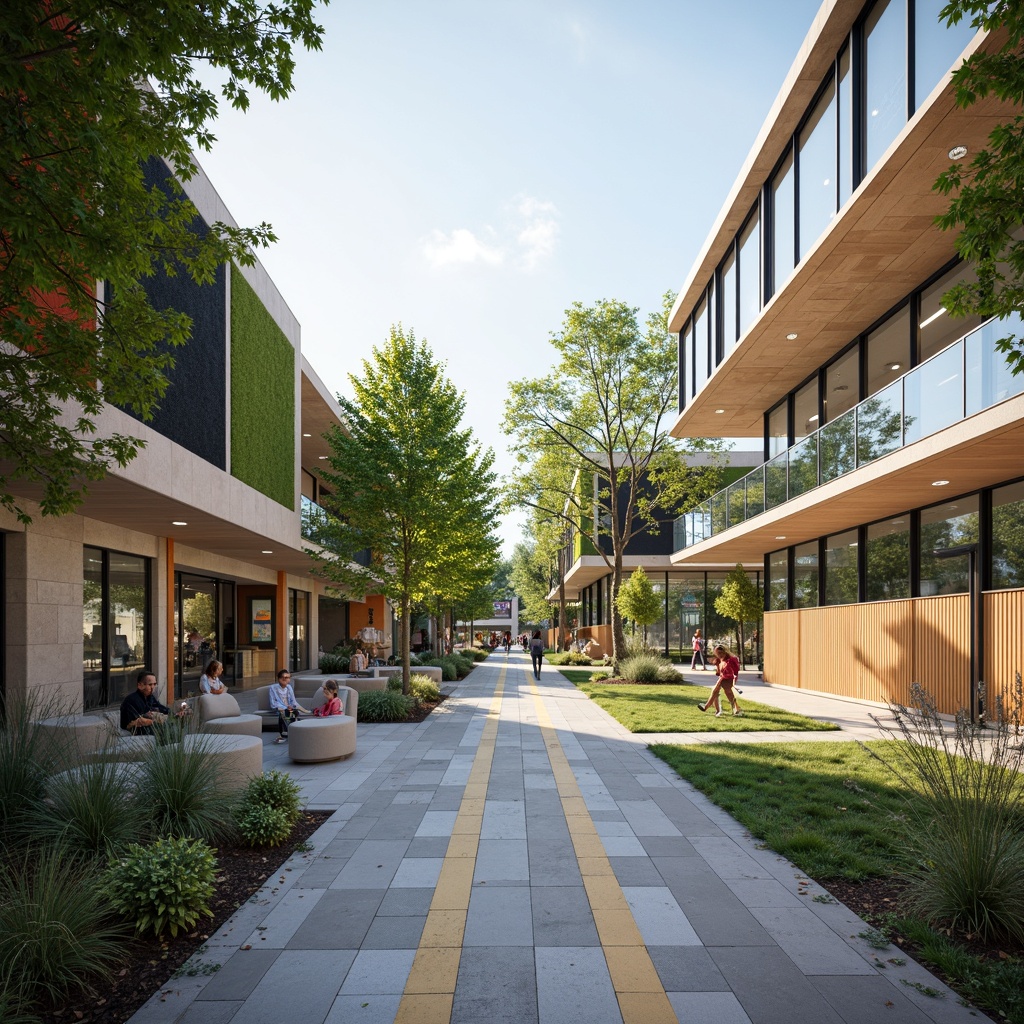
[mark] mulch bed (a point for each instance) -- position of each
(149, 962)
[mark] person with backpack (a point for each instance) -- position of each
(698, 652)
(728, 666)
(536, 653)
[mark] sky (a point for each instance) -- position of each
(470, 168)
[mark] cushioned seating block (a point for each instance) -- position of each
(71, 738)
(233, 759)
(322, 739)
(123, 748)
(220, 714)
(434, 672)
(364, 684)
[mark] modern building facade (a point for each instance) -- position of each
(889, 507)
(195, 550)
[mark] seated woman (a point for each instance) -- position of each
(333, 705)
(210, 681)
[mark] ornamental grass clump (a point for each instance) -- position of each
(967, 845)
(648, 668)
(56, 933)
(424, 688)
(166, 886)
(385, 706)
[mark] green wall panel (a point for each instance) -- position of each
(262, 397)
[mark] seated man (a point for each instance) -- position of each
(138, 708)
(282, 700)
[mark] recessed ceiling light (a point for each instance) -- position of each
(898, 522)
(267, 552)
(178, 522)
(939, 483)
(322, 457)
(958, 153)
(895, 366)
(783, 537)
(792, 336)
(719, 411)
(307, 435)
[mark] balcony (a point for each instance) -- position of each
(966, 378)
(318, 525)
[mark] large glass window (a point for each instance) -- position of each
(115, 624)
(936, 328)
(936, 46)
(888, 351)
(805, 410)
(842, 384)
(750, 273)
(729, 304)
(700, 346)
(887, 560)
(885, 77)
(298, 630)
(783, 224)
(844, 104)
(778, 430)
(841, 568)
(817, 170)
(1008, 536)
(685, 610)
(778, 580)
(805, 575)
(947, 526)
(685, 364)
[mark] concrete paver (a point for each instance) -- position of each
(521, 857)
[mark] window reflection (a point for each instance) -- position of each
(1008, 536)
(805, 575)
(887, 560)
(947, 526)
(783, 224)
(805, 410)
(885, 79)
(700, 346)
(936, 46)
(936, 328)
(778, 430)
(888, 351)
(933, 395)
(841, 580)
(778, 580)
(729, 304)
(842, 384)
(817, 147)
(750, 273)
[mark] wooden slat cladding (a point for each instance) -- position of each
(873, 651)
(1004, 641)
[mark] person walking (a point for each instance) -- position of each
(728, 666)
(536, 653)
(698, 652)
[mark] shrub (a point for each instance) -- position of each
(384, 706)
(55, 931)
(577, 658)
(274, 789)
(424, 688)
(263, 825)
(476, 653)
(648, 668)
(165, 886)
(967, 848)
(180, 794)
(449, 670)
(599, 677)
(90, 809)
(395, 683)
(333, 663)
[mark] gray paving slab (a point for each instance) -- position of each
(373, 865)
(499, 916)
(501, 860)
(405, 903)
(562, 916)
(340, 920)
(659, 917)
(241, 974)
(687, 969)
(573, 987)
(868, 1000)
(366, 1008)
(210, 1013)
(716, 1007)
(299, 985)
(394, 933)
(496, 984)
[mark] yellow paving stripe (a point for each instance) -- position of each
(430, 991)
(641, 995)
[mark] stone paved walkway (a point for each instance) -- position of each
(519, 857)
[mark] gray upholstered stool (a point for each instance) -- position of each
(322, 739)
(220, 714)
(234, 759)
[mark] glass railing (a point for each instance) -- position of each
(318, 525)
(961, 380)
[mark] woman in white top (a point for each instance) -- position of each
(210, 681)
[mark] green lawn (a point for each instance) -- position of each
(664, 708)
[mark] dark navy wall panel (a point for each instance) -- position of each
(192, 411)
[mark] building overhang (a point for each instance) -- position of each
(978, 452)
(881, 245)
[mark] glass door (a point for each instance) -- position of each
(197, 629)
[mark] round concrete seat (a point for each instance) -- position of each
(434, 672)
(123, 748)
(219, 714)
(322, 739)
(364, 684)
(126, 773)
(233, 759)
(71, 738)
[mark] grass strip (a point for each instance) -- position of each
(673, 708)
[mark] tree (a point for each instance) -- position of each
(529, 576)
(987, 195)
(78, 125)
(409, 484)
(741, 601)
(638, 601)
(593, 441)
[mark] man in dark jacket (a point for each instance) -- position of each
(138, 707)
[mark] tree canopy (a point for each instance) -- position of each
(592, 436)
(410, 484)
(639, 601)
(741, 601)
(90, 92)
(986, 195)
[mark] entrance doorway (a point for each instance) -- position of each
(204, 629)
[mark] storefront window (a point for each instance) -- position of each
(947, 526)
(887, 560)
(1008, 536)
(115, 624)
(778, 580)
(841, 579)
(805, 575)
(298, 630)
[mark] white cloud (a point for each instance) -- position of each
(528, 239)
(461, 246)
(538, 236)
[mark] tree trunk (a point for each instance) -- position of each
(560, 632)
(618, 638)
(404, 638)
